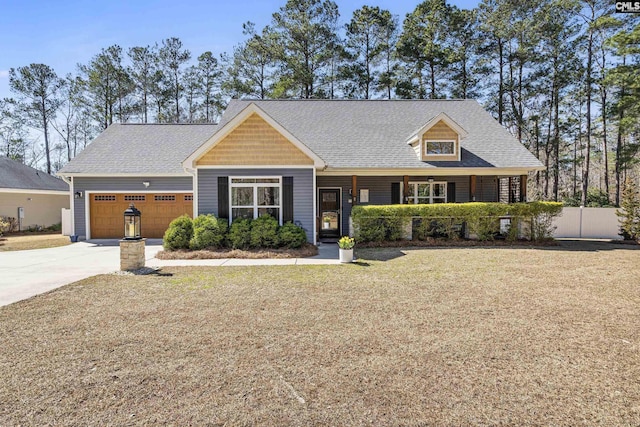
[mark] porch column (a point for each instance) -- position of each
(354, 190)
(472, 188)
(523, 188)
(405, 188)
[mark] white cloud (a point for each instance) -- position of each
(4, 74)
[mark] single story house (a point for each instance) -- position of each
(307, 161)
(33, 197)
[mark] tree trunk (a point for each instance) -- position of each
(500, 81)
(585, 173)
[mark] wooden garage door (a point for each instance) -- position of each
(106, 212)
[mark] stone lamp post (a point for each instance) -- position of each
(132, 255)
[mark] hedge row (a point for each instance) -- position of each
(454, 220)
(209, 232)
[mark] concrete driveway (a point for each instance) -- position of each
(24, 274)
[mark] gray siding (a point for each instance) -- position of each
(487, 189)
(302, 192)
(117, 184)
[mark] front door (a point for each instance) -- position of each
(329, 213)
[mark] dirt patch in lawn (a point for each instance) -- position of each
(305, 251)
(473, 336)
(25, 241)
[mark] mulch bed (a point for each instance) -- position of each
(431, 242)
(308, 250)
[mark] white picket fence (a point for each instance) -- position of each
(587, 223)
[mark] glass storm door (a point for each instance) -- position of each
(329, 213)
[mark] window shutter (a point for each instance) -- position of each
(451, 192)
(287, 199)
(395, 193)
(223, 197)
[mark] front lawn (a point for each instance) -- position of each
(456, 336)
(25, 241)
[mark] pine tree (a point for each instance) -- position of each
(629, 212)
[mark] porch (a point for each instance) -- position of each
(336, 195)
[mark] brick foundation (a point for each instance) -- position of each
(131, 254)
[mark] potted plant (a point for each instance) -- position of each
(326, 222)
(346, 245)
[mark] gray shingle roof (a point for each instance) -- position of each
(15, 175)
(373, 134)
(140, 149)
(344, 133)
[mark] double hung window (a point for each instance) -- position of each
(255, 197)
(427, 192)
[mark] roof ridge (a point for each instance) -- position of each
(353, 100)
(166, 124)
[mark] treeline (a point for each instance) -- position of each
(562, 76)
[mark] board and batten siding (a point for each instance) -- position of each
(302, 191)
(121, 185)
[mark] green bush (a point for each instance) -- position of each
(55, 227)
(379, 223)
(291, 236)
(179, 233)
(264, 232)
(208, 232)
(240, 233)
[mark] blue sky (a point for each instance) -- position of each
(62, 34)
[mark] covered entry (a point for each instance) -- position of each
(106, 212)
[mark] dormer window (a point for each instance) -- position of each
(435, 148)
(438, 140)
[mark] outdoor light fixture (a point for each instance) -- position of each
(78, 195)
(132, 223)
(146, 184)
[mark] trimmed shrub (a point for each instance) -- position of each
(264, 232)
(179, 234)
(379, 223)
(369, 229)
(208, 232)
(240, 233)
(291, 236)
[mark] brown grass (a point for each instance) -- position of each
(491, 336)
(21, 242)
(305, 251)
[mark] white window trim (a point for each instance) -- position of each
(414, 199)
(255, 186)
(427, 154)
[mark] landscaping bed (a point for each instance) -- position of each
(307, 250)
(455, 243)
